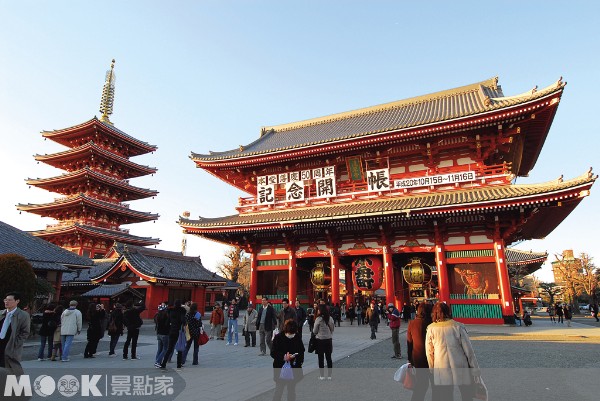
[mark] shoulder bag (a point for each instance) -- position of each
(203, 337)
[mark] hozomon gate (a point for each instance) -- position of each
(415, 196)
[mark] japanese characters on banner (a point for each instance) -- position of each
(378, 180)
(325, 183)
(294, 191)
(294, 181)
(265, 194)
(441, 179)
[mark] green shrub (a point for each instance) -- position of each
(16, 274)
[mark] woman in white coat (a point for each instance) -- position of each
(450, 356)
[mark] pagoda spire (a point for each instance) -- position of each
(108, 94)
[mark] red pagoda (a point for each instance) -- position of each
(416, 197)
(95, 186)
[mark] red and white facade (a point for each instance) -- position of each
(415, 196)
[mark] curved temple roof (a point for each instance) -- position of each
(465, 101)
(65, 135)
(92, 231)
(87, 150)
(163, 265)
(86, 174)
(81, 201)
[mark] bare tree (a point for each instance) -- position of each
(236, 267)
(579, 276)
(552, 289)
(587, 281)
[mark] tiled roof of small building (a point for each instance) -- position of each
(84, 276)
(111, 290)
(41, 254)
(438, 107)
(166, 264)
(409, 204)
(519, 257)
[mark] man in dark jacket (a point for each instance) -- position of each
(300, 316)
(133, 322)
(285, 313)
(265, 323)
(176, 322)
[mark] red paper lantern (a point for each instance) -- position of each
(367, 272)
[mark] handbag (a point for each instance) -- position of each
(481, 392)
(312, 343)
(112, 328)
(203, 337)
(409, 379)
(181, 341)
(286, 372)
(188, 336)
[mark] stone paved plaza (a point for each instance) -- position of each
(546, 360)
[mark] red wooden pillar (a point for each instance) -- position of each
(503, 279)
(335, 277)
(253, 278)
(292, 277)
(201, 299)
(388, 272)
(399, 293)
(442, 267)
(349, 287)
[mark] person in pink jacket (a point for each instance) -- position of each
(450, 356)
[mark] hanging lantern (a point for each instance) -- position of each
(367, 273)
(417, 272)
(320, 275)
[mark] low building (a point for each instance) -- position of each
(156, 275)
(49, 261)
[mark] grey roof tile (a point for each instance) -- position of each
(111, 290)
(166, 264)
(41, 254)
(442, 106)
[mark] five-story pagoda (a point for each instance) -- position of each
(96, 184)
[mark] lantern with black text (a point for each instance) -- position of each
(368, 273)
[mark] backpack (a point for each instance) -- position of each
(112, 328)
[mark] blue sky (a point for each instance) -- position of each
(207, 75)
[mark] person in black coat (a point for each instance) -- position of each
(116, 322)
(176, 322)
(47, 332)
(287, 347)
(300, 316)
(133, 322)
(95, 330)
(417, 355)
(406, 312)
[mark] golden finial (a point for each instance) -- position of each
(108, 94)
